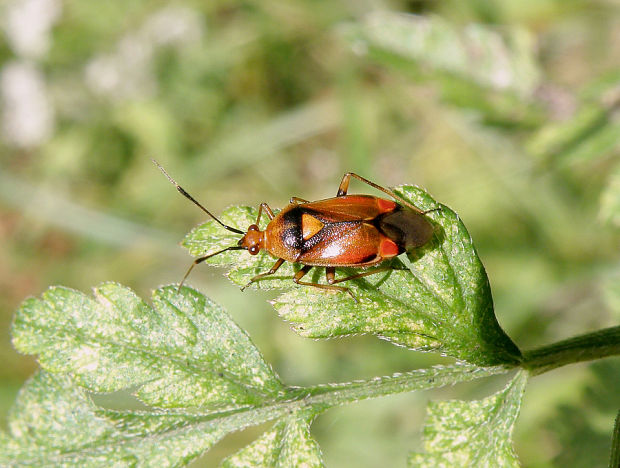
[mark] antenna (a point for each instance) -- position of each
(202, 259)
(192, 199)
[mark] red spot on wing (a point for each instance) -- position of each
(388, 248)
(386, 205)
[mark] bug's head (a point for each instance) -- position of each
(253, 240)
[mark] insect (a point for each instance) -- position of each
(344, 231)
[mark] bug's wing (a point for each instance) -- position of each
(349, 208)
(343, 244)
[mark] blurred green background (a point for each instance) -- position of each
(507, 111)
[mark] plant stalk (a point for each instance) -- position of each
(337, 394)
(595, 345)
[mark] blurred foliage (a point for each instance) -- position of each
(585, 437)
(505, 111)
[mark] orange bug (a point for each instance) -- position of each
(344, 231)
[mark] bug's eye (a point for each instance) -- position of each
(253, 250)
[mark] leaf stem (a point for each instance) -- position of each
(314, 400)
(595, 345)
(326, 396)
(322, 397)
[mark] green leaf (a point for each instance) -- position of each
(184, 351)
(440, 302)
(473, 434)
(476, 52)
(54, 423)
(288, 444)
(189, 345)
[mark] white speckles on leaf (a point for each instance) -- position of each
(54, 423)
(186, 351)
(288, 444)
(473, 434)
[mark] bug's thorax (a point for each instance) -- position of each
(253, 240)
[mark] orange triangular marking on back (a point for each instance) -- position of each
(310, 226)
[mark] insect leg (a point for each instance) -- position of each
(344, 187)
(273, 269)
(298, 200)
(361, 275)
(330, 274)
(264, 206)
(301, 273)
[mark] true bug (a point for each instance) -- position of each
(344, 231)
